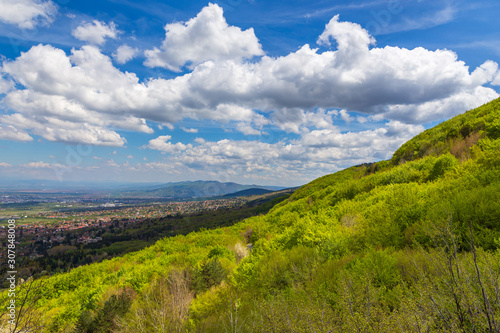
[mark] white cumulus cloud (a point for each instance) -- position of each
(95, 32)
(6, 85)
(190, 130)
(441, 108)
(83, 97)
(496, 80)
(125, 53)
(162, 144)
(9, 132)
(61, 102)
(27, 14)
(205, 37)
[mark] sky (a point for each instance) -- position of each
(247, 91)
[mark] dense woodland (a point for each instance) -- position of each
(405, 245)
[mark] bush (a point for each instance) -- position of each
(443, 164)
(211, 273)
(104, 318)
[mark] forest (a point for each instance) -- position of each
(410, 244)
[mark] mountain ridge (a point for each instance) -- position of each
(194, 189)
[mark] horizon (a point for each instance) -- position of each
(37, 185)
(232, 91)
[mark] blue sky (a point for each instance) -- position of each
(255, 92)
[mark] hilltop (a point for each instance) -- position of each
(247, 192)
(409, 244)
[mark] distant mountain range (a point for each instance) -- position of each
(197, 189)
(176, 190)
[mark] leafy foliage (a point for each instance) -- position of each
(440, 139)
(211, 273)
(104, 319)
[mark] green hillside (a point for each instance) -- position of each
(406, 245)
(247, 192)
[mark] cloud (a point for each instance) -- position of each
(112, 163)
(345, 116)
(190, 130)
(315, 153)
(295, 120)
(53, 129)
(381, 139)
(62, 96)
(5, 165)
(161, 143)
(440, 109)
(125, 53)
(247, 129)
(496, 80)
(37, 165)
(83, 97)
(85, 86)
(27, 14)
(397, 129)
(9, 132)
(95, 32)
(6, 85)
(306, 79)
(341, 7)
(484, 73)
(425, 21)
(352, 40)
(205, 37)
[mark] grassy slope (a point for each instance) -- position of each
(356, 250)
